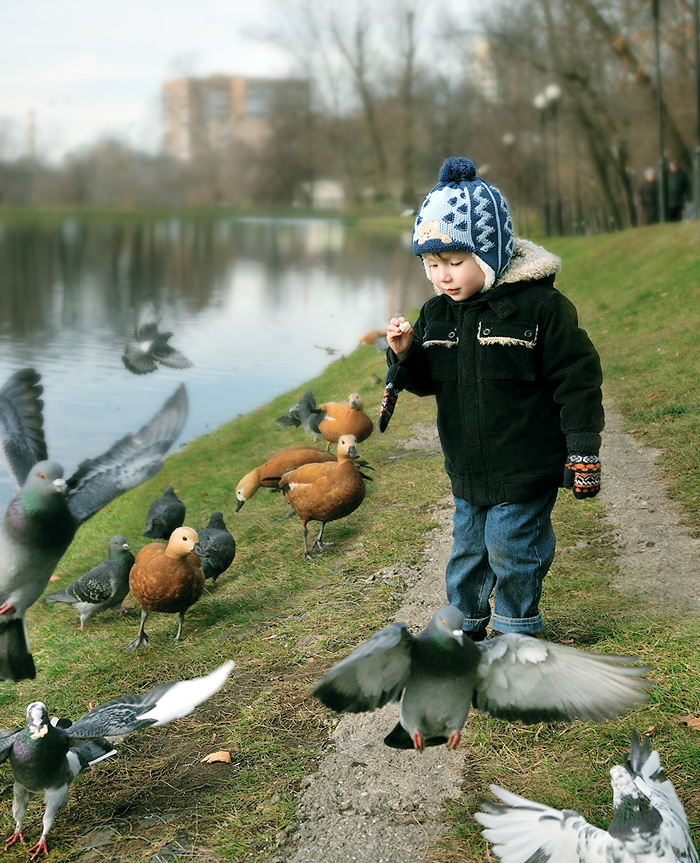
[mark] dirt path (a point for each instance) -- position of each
(371, 804)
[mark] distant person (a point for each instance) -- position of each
(677, 190)
(518, 389)
(647, 199)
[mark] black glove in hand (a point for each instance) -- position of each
(582, 474)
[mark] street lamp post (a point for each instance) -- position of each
(540, 103)
(553, 95)
(661, 185)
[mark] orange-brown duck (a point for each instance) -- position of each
(167, 579)
(325, 491)
(341, 418)
(269, 473)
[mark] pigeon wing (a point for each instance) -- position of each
(147, 322)
(374, 674)
(22, 423)
(523, 831)
(171, 357)
(523, 678)
(7, 739)
(644, 765)
(129, 462)
(128, 713)
(94, 586)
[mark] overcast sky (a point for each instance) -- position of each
(90, 67)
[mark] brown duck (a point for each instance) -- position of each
(269, 473)
(343, 418)
(325, 492)
(168, 579)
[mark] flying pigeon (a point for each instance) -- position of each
(649, 823)
(164, 515)
(48, 755)
(305, 414)
(102, 587)
(151, 346)
(438, 675)
(43, 517)
(216, 547)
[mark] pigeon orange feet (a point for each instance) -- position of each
(16, 837)
(454, 738)
(418, 740)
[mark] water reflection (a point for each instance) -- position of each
(254, 304)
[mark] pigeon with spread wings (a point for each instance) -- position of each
(649, 823)
(43, 517)
(440, 673)
(46, 756)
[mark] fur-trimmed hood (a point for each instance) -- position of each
(528, 263)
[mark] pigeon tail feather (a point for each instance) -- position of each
(16, 662)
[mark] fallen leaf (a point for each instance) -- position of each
(691, 722)
(221, 755)
(54, 578)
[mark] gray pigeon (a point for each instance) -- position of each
(216, 547)
(43, 517)
(649, 823)
(304, 414)
(164, 515)
(48, 755)
(151, 347)
(102, 587)
(438, 675)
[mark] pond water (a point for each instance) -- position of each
(253, 304)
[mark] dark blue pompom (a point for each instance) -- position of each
(457, 169)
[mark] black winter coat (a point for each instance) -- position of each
(517, 382)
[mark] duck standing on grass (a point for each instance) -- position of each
(167, 579)
(269, 473)
(325, 492)
(102, 587)
(342, 418)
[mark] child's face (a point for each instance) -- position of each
(456, 274)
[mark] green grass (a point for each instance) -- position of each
(285, 621)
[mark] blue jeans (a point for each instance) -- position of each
(508, 549)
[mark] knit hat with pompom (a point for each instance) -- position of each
(465, 213)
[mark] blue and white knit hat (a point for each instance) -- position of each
(465, 213)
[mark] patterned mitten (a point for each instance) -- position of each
(582, 474)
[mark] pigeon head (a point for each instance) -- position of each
(447, 624)
(118, 543)
(37, 719)
(633, 811)
(44, 484)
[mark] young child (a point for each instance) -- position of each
(518, 390)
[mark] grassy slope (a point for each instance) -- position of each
(285, 621)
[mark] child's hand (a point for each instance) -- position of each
(399, 334)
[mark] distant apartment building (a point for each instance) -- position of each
(213, 114)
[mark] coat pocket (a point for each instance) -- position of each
(506, 350)
(440, 341)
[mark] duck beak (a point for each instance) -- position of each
(352, 452)
(240, 504)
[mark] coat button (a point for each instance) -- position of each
(451, 335)
(528, 334)
(486, 331)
